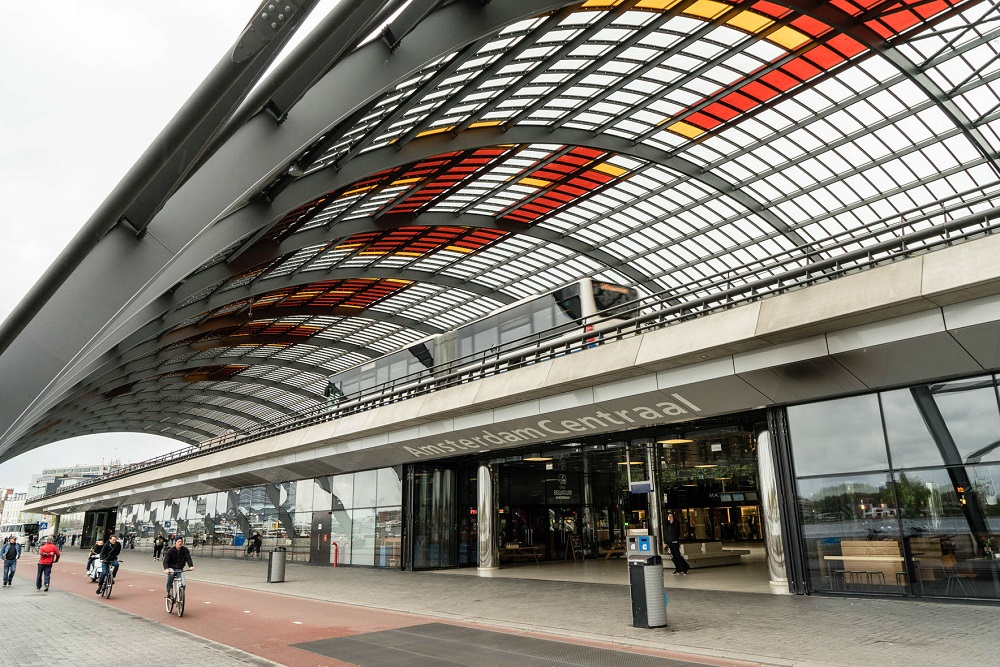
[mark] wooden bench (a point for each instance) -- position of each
(517, 554)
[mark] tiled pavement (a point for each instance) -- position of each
(56, 627)
(59, 628)
(772, 629)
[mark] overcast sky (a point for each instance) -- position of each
(85, 88)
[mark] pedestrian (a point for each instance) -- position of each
(255, 543)
(158, 546)
(61, 542)
(48, 554)
(673, 539)
(9, 553)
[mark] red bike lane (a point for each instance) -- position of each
(261, 623)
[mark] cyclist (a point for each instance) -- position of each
(109, 559)
(174, 561)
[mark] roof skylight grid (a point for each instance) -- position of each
(770, 135)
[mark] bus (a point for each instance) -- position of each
(22, 531)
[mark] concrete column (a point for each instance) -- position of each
(55, 524)
(486, 517)
(767, 479)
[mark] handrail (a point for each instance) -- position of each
(515, 354)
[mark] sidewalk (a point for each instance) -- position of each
(768, 629)
(58, 628)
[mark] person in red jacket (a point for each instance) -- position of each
(47, 555)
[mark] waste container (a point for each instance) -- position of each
(645, 576)
(276, 565)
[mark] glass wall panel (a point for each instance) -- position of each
(341, 533)
(343, 491)
(952, 526)
(850, 534)
(838, 436)
(389, 537)
(947, 423)
(390, 486)
(434, 517)
(363, 537)
(365, 491)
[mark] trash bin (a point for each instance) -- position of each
(276, 565)
(645, 576)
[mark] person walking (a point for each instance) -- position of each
(255, 544)
(158, 547)
(673, 539)
(48, 554)
(9, 553)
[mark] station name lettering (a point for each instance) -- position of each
(545, 429)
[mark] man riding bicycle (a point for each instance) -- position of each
(174, 561)
(109, 559)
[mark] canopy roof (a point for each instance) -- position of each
(705, 151)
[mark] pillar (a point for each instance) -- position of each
(767, 480)
(486, 517)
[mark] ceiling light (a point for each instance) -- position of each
(536, 458)
(707, 465)
(675, 441)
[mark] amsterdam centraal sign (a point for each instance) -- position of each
(704, 399)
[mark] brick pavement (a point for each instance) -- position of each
(767, 629)
(59, 628)
(781, 630)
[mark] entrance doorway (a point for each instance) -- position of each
(572, 501)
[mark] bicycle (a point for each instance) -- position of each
(107, 580)
(175, 599)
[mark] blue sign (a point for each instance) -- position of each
(42, 525)
(166, 524)
(644, 543)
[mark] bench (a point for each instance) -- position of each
(516, 554)
(708, 554)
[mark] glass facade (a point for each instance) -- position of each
(360, 513)
(897, 491)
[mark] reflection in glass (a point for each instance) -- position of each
(388, 536)
(365, 488)
(390, 486)
(850, 533)
(947, 423)
(343, 491)
(953, 531)
(363, 537)
(433, 517)
(837, 436)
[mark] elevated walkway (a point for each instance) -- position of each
(919, 319)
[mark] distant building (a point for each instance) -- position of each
(13, 503)
(54, 479)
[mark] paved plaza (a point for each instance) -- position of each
(319, 603)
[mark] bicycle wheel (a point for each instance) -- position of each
(169, 600)
(180, 601)
(108, 585)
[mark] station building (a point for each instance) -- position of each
(801, 197)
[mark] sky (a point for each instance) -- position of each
(86, 87)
